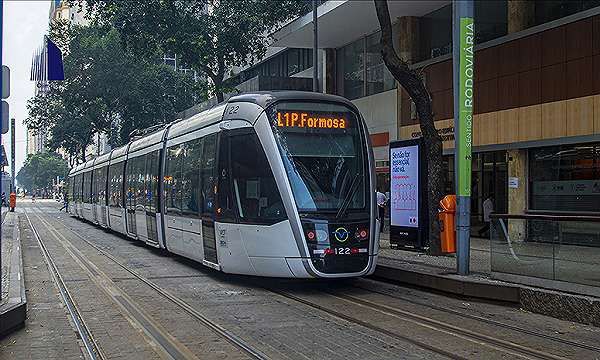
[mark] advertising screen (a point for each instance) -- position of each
(404, 181)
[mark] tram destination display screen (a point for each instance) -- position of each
(291, 119)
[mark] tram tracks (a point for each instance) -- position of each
(498, 344)
(172, 347)
(91, 348)
(482, 319)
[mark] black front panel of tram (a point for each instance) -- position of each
(337, 247)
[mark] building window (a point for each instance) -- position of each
(361, 70)
(379, 78)
(351, 69)
(491, 19)
(436, 33)
(546, 11)
(565, 178)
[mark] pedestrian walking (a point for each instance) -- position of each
(381, 203)
(33, 196)
(65, 202)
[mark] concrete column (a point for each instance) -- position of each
(517, 197)
(408, 38)
(521, 15)
(330, 72)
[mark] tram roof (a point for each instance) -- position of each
(198, 121)
(120, 151)
(266, 98)
(89, 165)
(148, 140)
(102, 159)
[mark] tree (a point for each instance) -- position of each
(107, 89)
(210, 36)
(41, 169)
(414, 85)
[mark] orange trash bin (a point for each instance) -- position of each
(447, 224)
(12, 201)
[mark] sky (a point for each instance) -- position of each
(25, 23)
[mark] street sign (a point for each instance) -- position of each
(5, 82)
(4, 117)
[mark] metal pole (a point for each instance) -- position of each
(463, 43)
(315, 48)
(12, 156)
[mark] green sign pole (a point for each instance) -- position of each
(463, 57)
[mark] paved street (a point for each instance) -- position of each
(140, 303)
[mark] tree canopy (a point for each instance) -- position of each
(210, 36)
(40, 170)
(107, 89)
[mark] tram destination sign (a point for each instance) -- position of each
(311, 120)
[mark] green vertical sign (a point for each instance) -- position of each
(465, 109)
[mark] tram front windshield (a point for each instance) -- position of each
(324, 156)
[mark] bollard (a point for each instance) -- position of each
(447, 226)
(12, 201)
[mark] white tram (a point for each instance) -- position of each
(270, 184)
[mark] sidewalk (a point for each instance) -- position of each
(439, 273)
(13, 303)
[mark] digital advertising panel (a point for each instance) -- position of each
(407, 202)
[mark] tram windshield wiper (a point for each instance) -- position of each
(349, 196)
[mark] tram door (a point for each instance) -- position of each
(130, 188)
(208, 177)
(152, 205)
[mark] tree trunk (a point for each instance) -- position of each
(412, 82)
(220, 96)
(83, 154)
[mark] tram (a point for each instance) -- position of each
(276, 184)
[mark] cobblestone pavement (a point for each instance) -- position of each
(281, 319)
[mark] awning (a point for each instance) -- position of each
(343, 21)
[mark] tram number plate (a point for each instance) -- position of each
(342, 251)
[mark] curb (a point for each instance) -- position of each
(14, 311)
(454, 285)
(565, 306)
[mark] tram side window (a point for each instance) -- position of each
(115, 179)
(87, 187)
(130, 186)
(140, 180)
(102, 185)
(77, 188)
(207, 173)
(190, 177)
(152, 181)
(257, 197)
(172, 179)
(94, 197)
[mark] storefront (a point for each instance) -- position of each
(566, 180)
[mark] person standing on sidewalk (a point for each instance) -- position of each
(381, 202)
(65, 202)
(488, 208)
